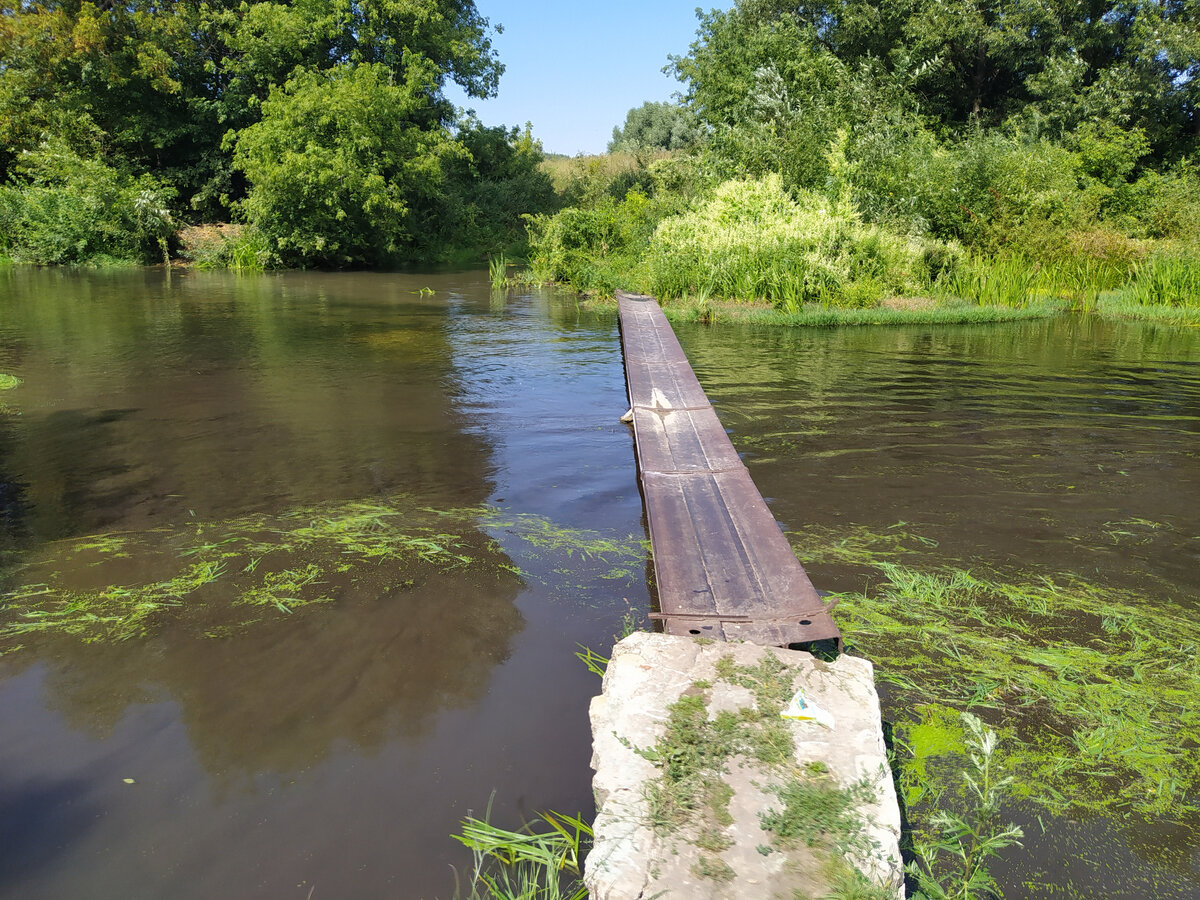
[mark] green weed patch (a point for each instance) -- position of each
(1093, 689)
(221, 576)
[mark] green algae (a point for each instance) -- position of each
(1093, 695)
(7, 383)
(222, 576)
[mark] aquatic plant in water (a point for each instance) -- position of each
(534, 863)
(237, 570)
(7, 383)
(951, 861)
(1096, 703)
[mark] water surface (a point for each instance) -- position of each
(329, 751)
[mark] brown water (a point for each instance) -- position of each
(1047, 447)
(330, 753)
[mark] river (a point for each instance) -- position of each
(307, 717)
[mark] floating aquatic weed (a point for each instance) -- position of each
(575, 543)
(584, 556)
(1095, 699)
(7, 383)
(857, 544)
(277, 562)
(283, 589)
(1099, 707)
(283, 564)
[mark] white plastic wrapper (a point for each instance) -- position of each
(800, 707)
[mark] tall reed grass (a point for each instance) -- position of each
(1171, 280)
(1016, 282)
(542, 864)
(498, 271)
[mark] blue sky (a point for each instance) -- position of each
(574, 69)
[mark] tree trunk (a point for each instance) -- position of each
(978, 80)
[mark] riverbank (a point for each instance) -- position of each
(901, 311)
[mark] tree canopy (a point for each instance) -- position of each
(174, 89)
(1056, 63)
(656, 126)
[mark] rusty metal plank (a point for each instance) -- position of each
(719, 551)
(819, 627)
(683, 440)
(656, 369)
(722, 565)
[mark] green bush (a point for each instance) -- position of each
(754, 241)
(342, 168)
(594, 248)
(997, 192)
(1162, 205)
(490, 190)
(61, 207)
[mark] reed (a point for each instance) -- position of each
(1171, 280)
(542, 861)
(498, 271)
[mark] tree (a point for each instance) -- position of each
(164, 82)
(344, 166)
(656, 126)
(1055, 63)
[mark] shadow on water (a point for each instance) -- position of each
(281, 696)
(37, 820)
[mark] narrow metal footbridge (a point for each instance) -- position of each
(723, 567)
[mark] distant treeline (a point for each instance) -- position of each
(323, 125)
(847, 150)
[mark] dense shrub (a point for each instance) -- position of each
(752, 240)
(593, 247)
(488, 191)
(61, 207)
(342, 169)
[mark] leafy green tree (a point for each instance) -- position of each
(344, 168)
(132, 72)
(1056, 63)
(656, 126)
(164, 82)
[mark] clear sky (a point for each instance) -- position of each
(575, 67)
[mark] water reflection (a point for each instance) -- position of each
(282, 696)
(334, 746)
(1025, 444)
(148, 401)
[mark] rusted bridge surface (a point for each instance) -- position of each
(723, 566)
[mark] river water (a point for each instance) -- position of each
(329, 750)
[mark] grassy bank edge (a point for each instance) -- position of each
(814, 315)
(721, 313)
(1118, 307)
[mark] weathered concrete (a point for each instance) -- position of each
(650, 672)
